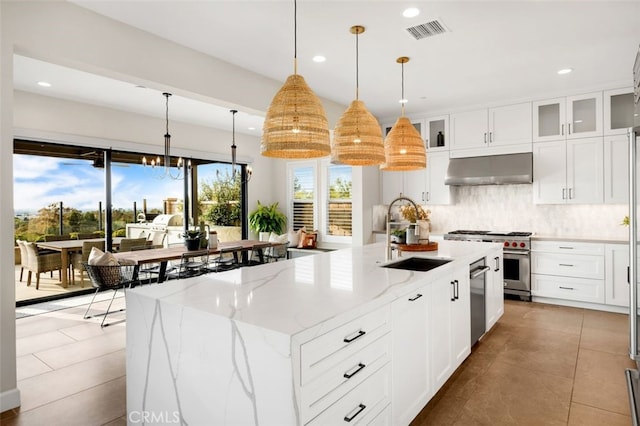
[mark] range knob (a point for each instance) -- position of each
(514, 244)
(506, 243)
(522, 245)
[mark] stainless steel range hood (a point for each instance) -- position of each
(490, 170)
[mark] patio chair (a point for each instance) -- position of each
(258, 253)
(49, 238)
(24, 257)
(87, 236)
(126, 244)
(77, 259)
(226, 259)
(109, 277)
(156, 238)
(41, 262)
(192, 263)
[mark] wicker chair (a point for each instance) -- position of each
(49, 238)
(40, 262)
(87, 236)
(109, 278)
(77, 259)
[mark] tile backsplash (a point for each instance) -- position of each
(510, 208)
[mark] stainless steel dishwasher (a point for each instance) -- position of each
(477, 281)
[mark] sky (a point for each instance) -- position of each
(40, 181)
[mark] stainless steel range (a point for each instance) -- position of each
(517, 257)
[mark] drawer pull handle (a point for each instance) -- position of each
(360, 408)
(356, 371)
(357, 336)
(565, 264)
(417, 296)
(566, 248)
(567, 288)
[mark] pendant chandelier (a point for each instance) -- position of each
(357, 138)
(403, 146)
(166, 160)
(248, 171)
(296, 125)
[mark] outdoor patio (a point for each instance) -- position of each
(50, 288)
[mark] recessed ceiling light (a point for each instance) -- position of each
(319, 58)
(411, 12)
(251, 128)
(44, 84)
(565, 71)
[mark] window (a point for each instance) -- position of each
(303, 178)
(339, 201)
(320, 199)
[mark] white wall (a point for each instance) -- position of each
(510, 208)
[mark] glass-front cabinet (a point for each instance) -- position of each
(437, 133)
(569, 117)
(618, 111)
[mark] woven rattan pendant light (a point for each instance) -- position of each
(296, 125)
(357, 138)
(403, 146)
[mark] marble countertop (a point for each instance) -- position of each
(603, 240)
(295, 295)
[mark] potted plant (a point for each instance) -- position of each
(192, 239)
(398, 236)
(266, 219)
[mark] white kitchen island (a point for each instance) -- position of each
(311, 340)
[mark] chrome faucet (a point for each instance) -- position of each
(415, 206)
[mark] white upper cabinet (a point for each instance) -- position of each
(616, 170)
(436, 192)
(568, 172)
(489, 131)
(568, 117)
(618, 111)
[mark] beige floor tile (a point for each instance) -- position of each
(29, 366)
(99, 405)
(88, 330)
(30, 326)
(583, 415)
(603, 340)
(40, 342)
(120, 421)
(507, 394)
(48, 387)
(542, 350)
(496, 339)
(84, 350)
(600, 381)
(445, 412)
(565, 320)
(606, 321)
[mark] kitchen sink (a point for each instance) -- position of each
(417, 264)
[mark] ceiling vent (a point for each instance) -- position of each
(427, 29)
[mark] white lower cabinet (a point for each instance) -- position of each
(616, 278)
(411, 382)
(450, 326)
(494, 289)
(568, 270)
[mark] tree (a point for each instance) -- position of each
(223, 193)
(341, 189)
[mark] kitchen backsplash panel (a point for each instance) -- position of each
(510, 208)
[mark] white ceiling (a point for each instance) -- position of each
(495, 51)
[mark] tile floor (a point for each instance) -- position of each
(540, 365)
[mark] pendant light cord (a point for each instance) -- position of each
(403, 99)
(295, 37)
(357, 70)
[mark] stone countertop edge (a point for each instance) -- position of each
(601, 240)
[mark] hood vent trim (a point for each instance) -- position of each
(428, 29)
(490, 170)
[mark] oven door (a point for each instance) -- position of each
(517, 272)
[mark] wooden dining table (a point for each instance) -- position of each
(164, 255)
(69, 246)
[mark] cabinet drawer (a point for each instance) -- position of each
(325, 351)
(343, 377)
(578, 289)
(568, 247)
(361, 405)
(579, 266)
